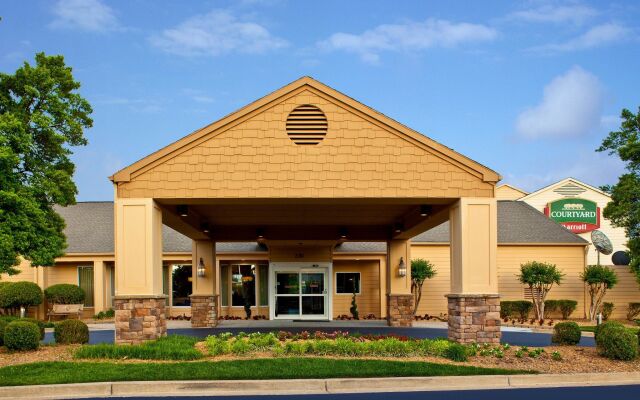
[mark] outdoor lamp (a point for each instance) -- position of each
(402, 268)
(260, 233)
(201, 268)
(425, 210)
(343, 233)
(183, 210)
(398, 227)
(205, 227)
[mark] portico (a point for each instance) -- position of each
(300, 171)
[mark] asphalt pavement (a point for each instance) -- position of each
(565, 393)
(531, 339)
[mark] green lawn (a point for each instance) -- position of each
(172, 347)
(279, 368)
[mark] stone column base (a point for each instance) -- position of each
(204, 310)
(400, 309)
(474, 318)
(139, 318)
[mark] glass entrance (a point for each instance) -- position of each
(301, 295)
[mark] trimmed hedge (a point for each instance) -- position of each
(71, 331)
(617, 342)
(607, 310)
(567, 333)
(517, 308)
(38, 323)
(64, 293)
(14, 295)
(565, 307)
(21, 335)
(3, 326)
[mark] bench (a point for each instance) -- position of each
(66, 309)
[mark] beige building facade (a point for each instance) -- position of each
(292, 204)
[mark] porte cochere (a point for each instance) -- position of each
(301, 171)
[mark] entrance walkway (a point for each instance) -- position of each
(515, 337)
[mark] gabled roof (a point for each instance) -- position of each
(564, 182)
(311, 84)
(89, 230)
(517, 189)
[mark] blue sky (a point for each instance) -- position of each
(527, 88)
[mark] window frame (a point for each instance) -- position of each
(358, 293)
(170, 286)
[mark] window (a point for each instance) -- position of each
(243, 285)
(181, 285)
(224, 285)
(264, 284)
(348, 282)
(85, 281)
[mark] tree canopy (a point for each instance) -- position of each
(598, 279)
(624, 208)
(540, 277)
(41, 117)
(421, 270)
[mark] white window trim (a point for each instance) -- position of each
(358, 293)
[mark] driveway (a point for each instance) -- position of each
(513, 337)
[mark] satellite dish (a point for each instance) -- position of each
(620, 258)
(601, 242)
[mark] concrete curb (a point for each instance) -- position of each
(314, 386)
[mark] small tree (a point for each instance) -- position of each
(599, 279)
(540, 277)
(354, 306)
(421, 270)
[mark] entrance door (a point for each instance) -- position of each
(301, 294)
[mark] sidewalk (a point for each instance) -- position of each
(314, 386)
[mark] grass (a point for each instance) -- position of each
(172, 347)
(592, 328)
(281, 368)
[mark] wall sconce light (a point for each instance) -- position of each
(425, 210)
(200, 270)
(182, 210)
(402, 268)
(205, 227)
(343, 233)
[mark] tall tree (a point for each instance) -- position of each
(624, 208)
(41, 117)
(540, 278)
(421, 270)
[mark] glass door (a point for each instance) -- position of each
(301, 294)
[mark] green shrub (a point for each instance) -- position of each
(567, 307)
(217, 346)
(14, 295)
(633, 311)
(172, 347)
(71, 331)
(567, 333)
(522, 308)
(64, 293)
(110, 313)
(456, 352)
(551, 305)
(3, 325)
(240, 346)
(506, 309)
(604, 327)
(607, 310)
(21, 335)
(38, 323)
(618, 343)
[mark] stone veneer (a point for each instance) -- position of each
(139, 318)
(400, 309)
(204, 310)
(474, 318)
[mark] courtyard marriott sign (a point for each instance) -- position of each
(577, 215)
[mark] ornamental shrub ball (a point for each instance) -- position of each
(567, 333)
(64, 293)
(71, 331)
(618, 343)
(21, 336)
(20, 294)
(38, 323)
(604, 327)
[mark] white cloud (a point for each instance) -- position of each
(597, 36)
(575, 14)
(86, 15)
(218, 32)
(586, 165)
(198, 96)
(571, 106)
(410, 36)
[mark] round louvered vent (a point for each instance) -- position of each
(306, 124)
